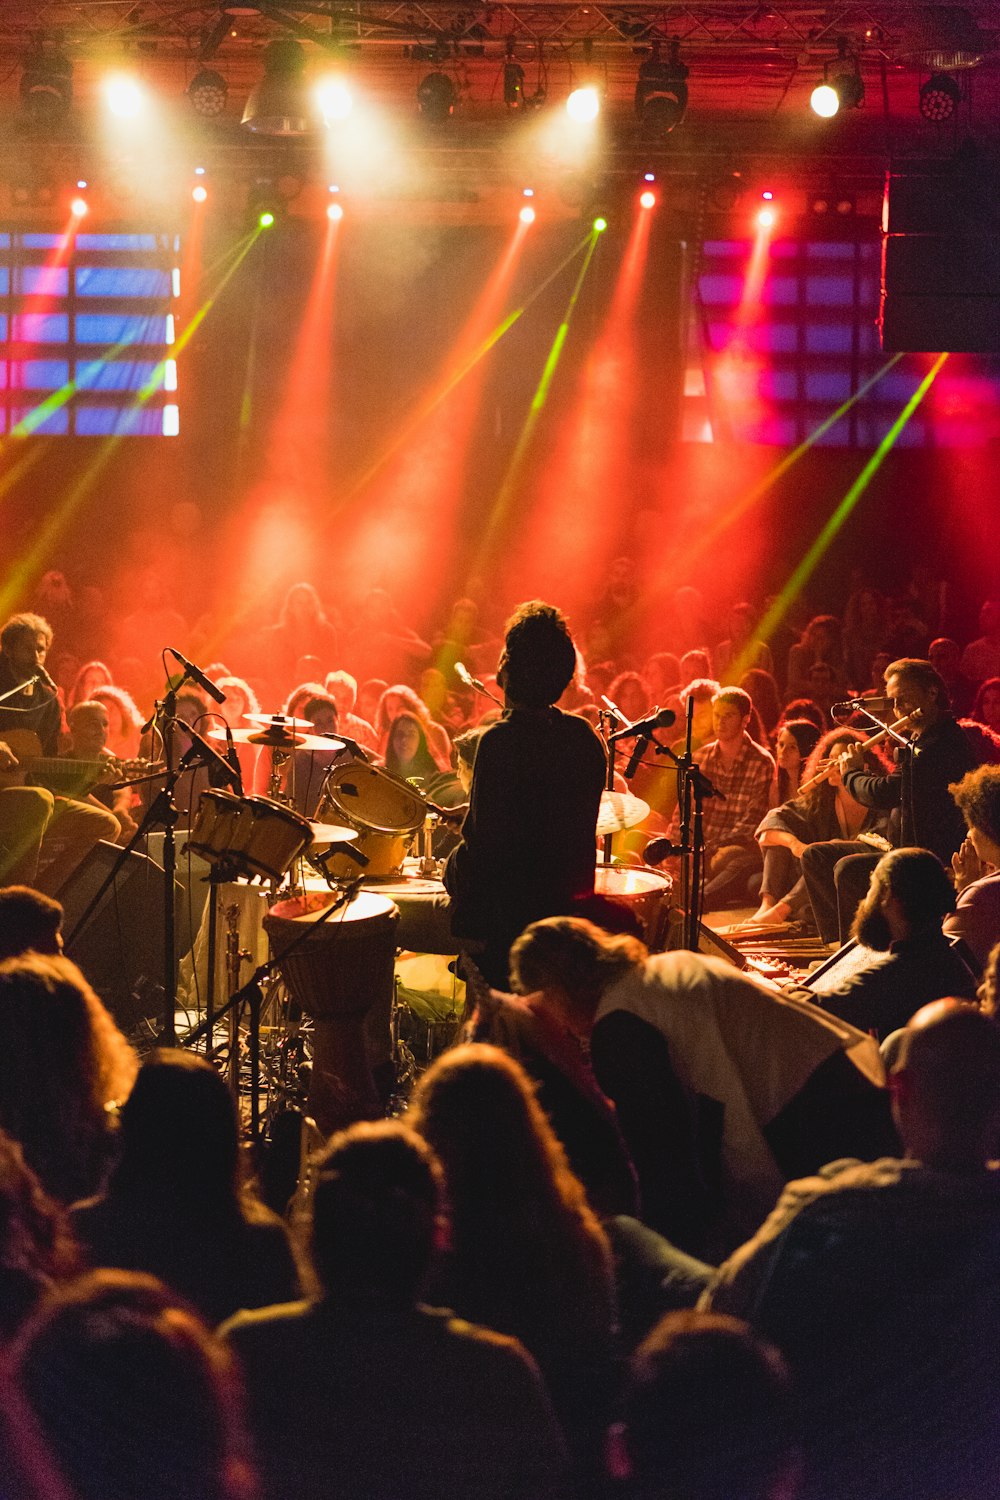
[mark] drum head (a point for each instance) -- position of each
(305, 909)
(371, 798)
(622, 881)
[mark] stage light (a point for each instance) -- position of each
(208, 92)
(513, 84)
(767, 195)
(436, 97)
(47, 85)
(123, 96)
(649, 176)
(527, 214)
(266, 219)
(766, 217)
(528, 193)
(334, 100)
(79, 208)
(199, 171)
(281, 105)
(600, 225)
(647, 199)
(199, 193)
(939, 97)
(335, 212)
(825, 101)
(661, 92)
(583, 105)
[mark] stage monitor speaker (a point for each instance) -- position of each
(120, 949)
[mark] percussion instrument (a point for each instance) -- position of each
(277, 721)
(276, 739)
(385, 812)
(620, 810)
(254, 835)
(340, 976)
(325, 834)
(646, 893)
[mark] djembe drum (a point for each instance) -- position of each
(340, 974)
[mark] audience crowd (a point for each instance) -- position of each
(652, 1229)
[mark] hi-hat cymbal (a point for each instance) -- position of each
(620, 810)
(331, 833)
(272, 740)
(265, 721)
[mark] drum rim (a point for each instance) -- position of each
(397, 830)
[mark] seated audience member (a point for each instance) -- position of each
(724, 1089)
(913, 962)
(92, 674)
(88, 739)
(63, 1062)
(878, 1282)
(369, 697)
(175, 1204)
(241, 700)
(381, 641)
(803, 708)
(37, 1250)
(695, 665)
(824, 811)
(302, 629)
(976, 866)
(343, 689)
(708, 1413)
(305, 771)
(365, 1391)
(132, 1394)
(824, 687)
(661, 673)
(986, 709)
(945, 656)
(403, 700)
(740, 653)
(742, 773)
(763, 692)
(820, 642)
(795, 742)
(865, 628)
(526, 1254)
(981, 657)
(631, 694)
(406, 753)
(124, 720)
(30, 922)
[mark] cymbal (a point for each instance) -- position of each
(275, 740)
(620, 810)
(265, 721)
(332, 833)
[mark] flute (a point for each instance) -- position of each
(875, 739)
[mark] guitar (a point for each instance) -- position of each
(69, 778)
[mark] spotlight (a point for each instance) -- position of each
(335, 212)
(647, 199)
(334, 100)
(513, 84)
(47, 85)
(939, 97)
(842, 86)
(123, 97)
(600, 225)
(280, 104)
(527, 214)
(649, 176)
(78, 208)
(583, 105)
(208, 92)
(766, 218)
(436, 97)
(199, 193)
(528, 193)
(661, 92)
(266, 219)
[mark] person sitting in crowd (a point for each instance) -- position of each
(63, 1063)
(901, 920)
(661, 673)
(400, 699)
(826, 810)
(30, 922)
(865, 630)
(724, 1089)
(88, 741)
(630, 693)
(878, 1283)
(175, 1204)
(241, 700)
(976, 865)
(795, 741)
(302, 629)
(743, 777)
(708, 1413)
(821, 641)
(986, 709)
(343, 689)
(945, 656)
(305, 771)
(124, 720)
(132, 1394)
(981, 657)
(93, 674)
(407, 754)
(763, 691)
(526, 1254)
(365, 1390)
(37, 1249)
(739, 652)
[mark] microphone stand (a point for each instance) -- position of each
(908, 749)
(693, 786)
(606, 717)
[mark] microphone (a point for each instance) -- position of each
(466, 678)
(662, 718)
(657, 850)
(613, 708)
(638, 751)
(852, 705)
(43, 676)
(233, 758)
(200, 749)
(197, 675)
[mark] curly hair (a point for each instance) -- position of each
(827, 748)
(978, 797)
(37, 1249)
(22, 625)
(539, 658)
(578, 956)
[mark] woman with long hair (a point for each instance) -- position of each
(399, 699)
(407, 753)
(795, 742)
(124, 720)
(527, 1255)
(176, 1204)
(986, 709)
(821, 812)
(63, 1065)
(37, 1250)
(763, 692)
(93, 674)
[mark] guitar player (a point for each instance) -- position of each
(43, 837)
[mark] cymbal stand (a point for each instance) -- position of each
(606, 718)
(693, 788)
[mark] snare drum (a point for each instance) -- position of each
(646, 893)
(385, 812)
(340, 975)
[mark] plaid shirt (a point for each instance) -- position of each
(748, 785)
